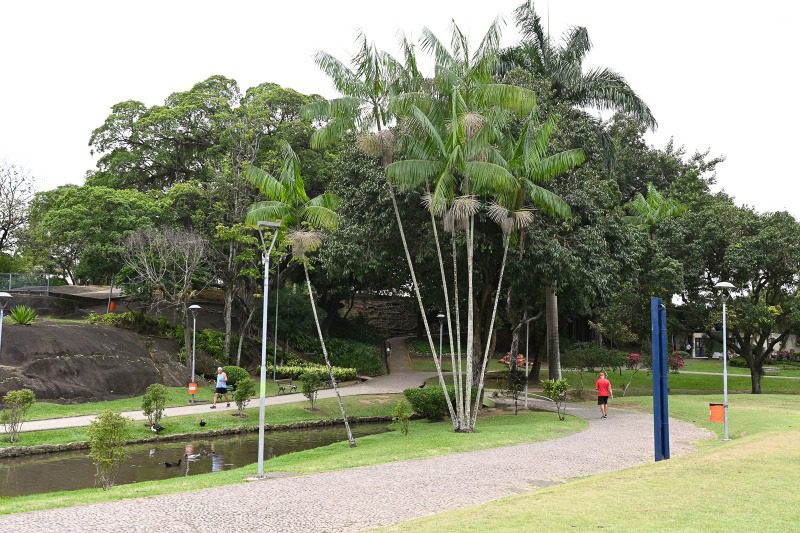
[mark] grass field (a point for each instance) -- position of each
(177, 396)
(747, 484)
(327, 409)
(425, 439)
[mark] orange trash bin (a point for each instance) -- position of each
(716, 412)
(112, 306)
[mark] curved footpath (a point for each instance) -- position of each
(401, 378)
(365, 497)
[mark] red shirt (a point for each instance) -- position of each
(603, 386)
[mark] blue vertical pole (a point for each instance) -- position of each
(662, 317)
(657, 371)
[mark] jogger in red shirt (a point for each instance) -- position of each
(603, 386)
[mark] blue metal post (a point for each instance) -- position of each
(662, 317)
(657, 371)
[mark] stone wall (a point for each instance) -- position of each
(390, 315)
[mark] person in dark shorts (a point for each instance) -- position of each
(221, 388)
(603, 386)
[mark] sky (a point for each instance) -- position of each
(717, 75)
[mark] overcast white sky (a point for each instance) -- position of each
(716, 74)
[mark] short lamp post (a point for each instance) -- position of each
(440, 316)
(724, 287)
(4, 299)
(262, 397)
(194, 308)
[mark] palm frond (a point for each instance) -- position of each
(516, 99)
(330, 133)
(490, 44)
(431, 44)
(344, 80)
(270, 211)
(555, 165)
(411, 174)
(264, 182)
(548, 201)
(487, 178)
(605, 89)
(576, 44)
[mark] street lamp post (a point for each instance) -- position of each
(275, 333)
(194, 308)
(724, 287)
(4, 298)
(440, 316)
(527, 341)
(262, 397)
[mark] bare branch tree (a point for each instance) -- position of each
(166, 262)
(16, 191)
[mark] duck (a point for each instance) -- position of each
(193, 457)
(170, 464)
(156, 428)
(202, 423)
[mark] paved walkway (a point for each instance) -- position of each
(402, 377)
(360, 498)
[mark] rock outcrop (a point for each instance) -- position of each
(84, 362)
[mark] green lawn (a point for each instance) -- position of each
(712, 365)
(425, 439)
(683, 383)
(747, 484)
(422, 361)
(178, 396)
(376, 405)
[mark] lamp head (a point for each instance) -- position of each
(194, 308)
(440, 316)
(268, 224)
(724, 286)
(4, 298)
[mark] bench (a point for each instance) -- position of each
(771, 369)
(285, 385)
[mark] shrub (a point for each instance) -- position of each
(556, 390)
(16, 404)
(137, 321)
(23, 315)
(245, 389)
(429, 402)
(153, 403)
(312, 382)
(676, 361)
(739, 362)
(402, 414)
(296, 371)
(235, 374)
(108, 434)
(515, 380)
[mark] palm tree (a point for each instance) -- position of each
(367, 87)
(450, 147)
(303, 219)
(561, 64)
(649, 211)
(526, 158)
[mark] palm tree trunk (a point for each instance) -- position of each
(489, 336)
(457, 371)
(422, 309)
(350, 438)
(446, 306)
(553, 348)
(470, 325)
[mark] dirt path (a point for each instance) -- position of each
(360, 498)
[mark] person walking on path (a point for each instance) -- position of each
(221, 388)
(603, 386)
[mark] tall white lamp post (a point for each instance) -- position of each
(440, 316)
(262, 397)
(724, 287)
(4, 299)
(194, 308)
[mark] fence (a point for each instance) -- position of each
(24, 282)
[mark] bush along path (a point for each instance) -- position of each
(401, 378)
(373, 496)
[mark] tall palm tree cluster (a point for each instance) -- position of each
(475, 150)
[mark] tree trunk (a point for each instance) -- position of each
(228, 311)
(756, 371)
(350, 438)
(553, 348)
(243, 334)
(187, 335)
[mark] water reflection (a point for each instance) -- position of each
(74, 470)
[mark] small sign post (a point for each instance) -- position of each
(192, 388)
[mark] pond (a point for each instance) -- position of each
(74, 470)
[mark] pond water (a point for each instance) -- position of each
(74, 470)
